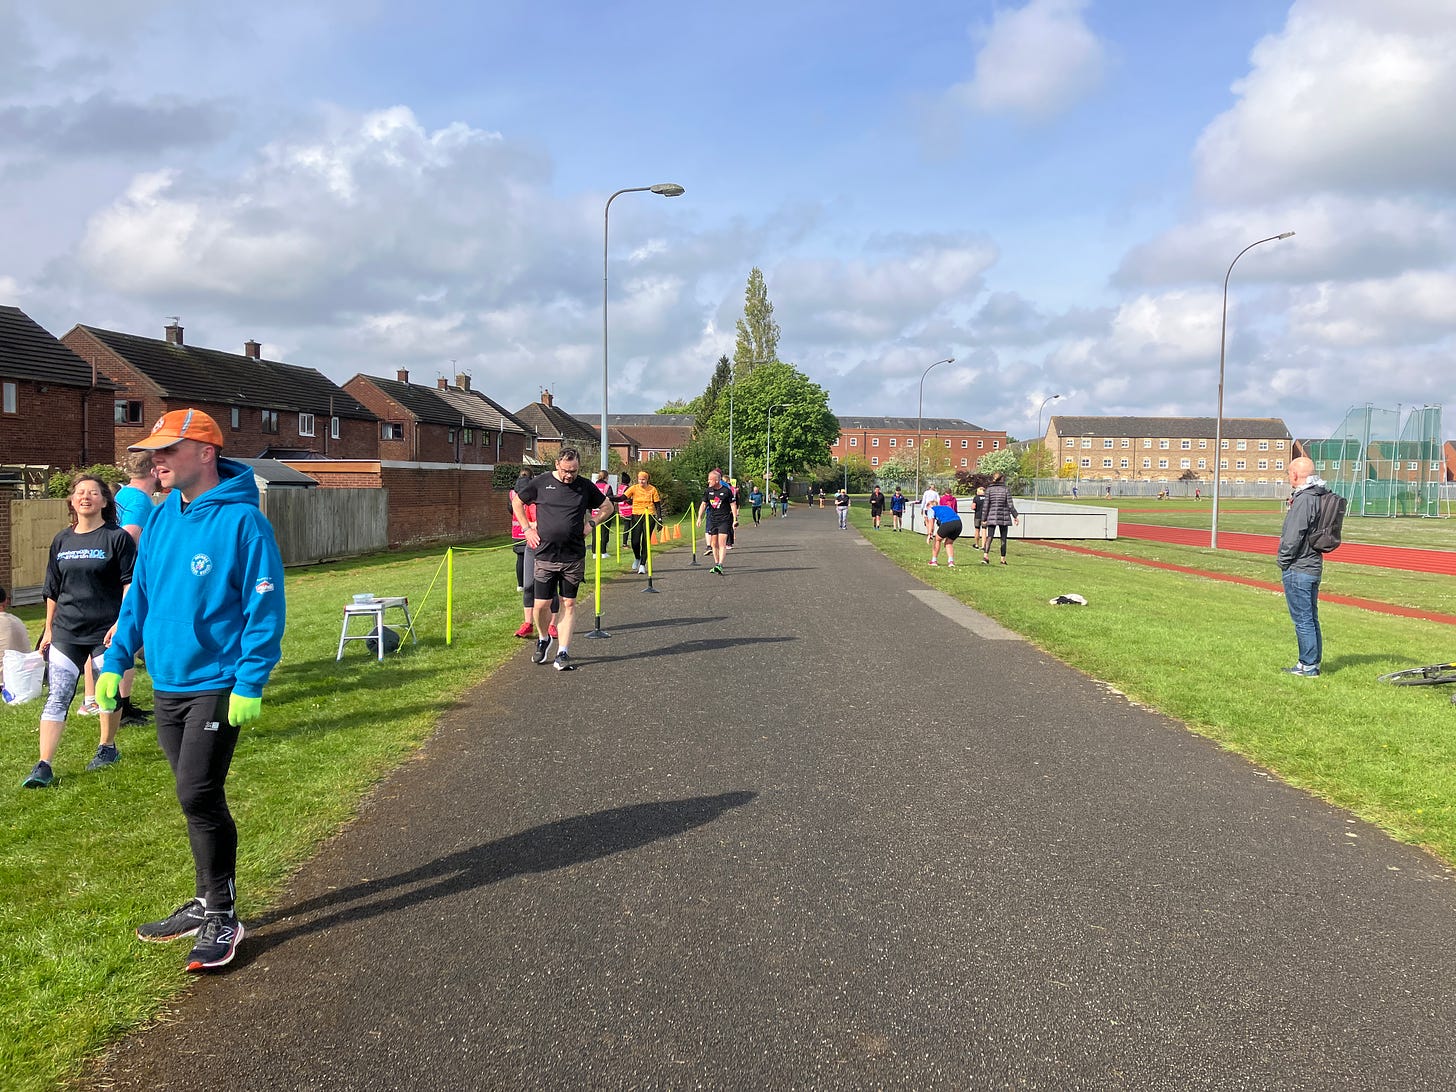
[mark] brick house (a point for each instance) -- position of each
(440, 425)
(656, 435)
(886, 439)
(55, 407)
(1255, 449)
(265, 408)
(555, 429)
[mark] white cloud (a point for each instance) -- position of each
(1349, 96)
(1034, 62)
(1411, 309)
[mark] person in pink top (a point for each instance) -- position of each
(526, 563)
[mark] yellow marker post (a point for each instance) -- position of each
(449, 594)
(597, 633)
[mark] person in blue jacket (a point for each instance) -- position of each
(207, 601)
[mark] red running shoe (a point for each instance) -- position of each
(551, 630)
(526, 630)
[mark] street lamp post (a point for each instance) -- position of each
(919, 421)
(1036, 481)
(663, 189)
(1218, 422)
(767, 440)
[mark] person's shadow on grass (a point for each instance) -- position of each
(543, 848)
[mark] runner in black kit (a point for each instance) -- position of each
(564, 501)
(719, 513)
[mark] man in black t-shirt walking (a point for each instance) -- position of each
(564, 503)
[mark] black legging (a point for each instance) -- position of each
(757, 510)
(641, 527)
(991, 529)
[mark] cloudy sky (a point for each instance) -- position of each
(1051, 191)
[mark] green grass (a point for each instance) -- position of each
(1209, 653)
(83, 863)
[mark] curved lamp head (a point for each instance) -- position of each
(1286, 235)
(667, 189)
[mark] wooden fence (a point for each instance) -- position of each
(315, 524)
(310, 525)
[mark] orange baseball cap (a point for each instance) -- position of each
(178, 425)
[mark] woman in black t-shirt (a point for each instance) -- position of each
(87, 574)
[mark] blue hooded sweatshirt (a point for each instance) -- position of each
(206, 595)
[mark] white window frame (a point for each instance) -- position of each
(305, 424)
(854, 441)
(335, 428)
(10, 400)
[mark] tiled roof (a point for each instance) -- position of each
(424, 404)
(480, 411)
(632, 420)
(942, 424)
(209, 375)
(554, 423)
(1234, 428)
(27, 351)
(660, 437)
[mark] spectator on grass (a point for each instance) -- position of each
(13, 634)
(1001, 513)
(1302, 566)
(134, 508)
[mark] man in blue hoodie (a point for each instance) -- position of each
(206, 600)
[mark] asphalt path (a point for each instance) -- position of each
(812, 824)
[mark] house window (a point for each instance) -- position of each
(1223, 464)
(995, 445)
(1069, 442)
(874, 441)
(1241, 464)
(1278, 445)
(1147, 464)
(965, 444)
(1185, 464)
(1122, 463)
(391, 430)
(947, 445)
(1202, 464)
(1278, 464)
(449, 435)
(1202, 445)
(270, 421)
(1263, 445)
(854, 441)
(982, 443)
(127, 412)
(467, 436)
(1162, 445)
(1185, 445)
(11, 397)
(1223, 445)
(874, 460)
(1107, 464)
(1263, 464)
(333, 428)
(1107, 442)
(1162, 464)
(235, 418)
(1126, 442)
(1147, 443)
(909, 441)
(1086, 441)
(305, 424)
(1086, 464)
(1243, 445)
(892, 441)
(965, 462)
(1412, 465)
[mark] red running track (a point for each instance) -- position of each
(1351, 553)
(1347, 600)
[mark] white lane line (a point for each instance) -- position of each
(964, 616)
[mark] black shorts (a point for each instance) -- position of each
(719, 526)
(950, 530)
(563, 578)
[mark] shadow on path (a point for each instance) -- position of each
(559, 844)
(683, 648)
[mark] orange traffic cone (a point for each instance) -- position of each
(677, 530)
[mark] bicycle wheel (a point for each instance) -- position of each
(1422, 676)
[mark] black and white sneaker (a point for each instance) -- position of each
(181, 922)
(563, 662)
(542, 647)
(217, 942)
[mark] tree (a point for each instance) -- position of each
(691, 465)
(1038, 461)
(758, 333)
(852, 469)
(676, 405)
(1006, 462)
(803, 426)
(705, 406)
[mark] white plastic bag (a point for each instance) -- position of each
(23, 674)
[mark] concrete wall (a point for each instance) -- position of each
(1043, 519)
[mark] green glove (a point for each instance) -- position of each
(108, 686)
(243, 710)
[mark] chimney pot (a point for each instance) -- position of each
(174, 333)
(252, 350)
(402, 375)
(546, 398)
(442, 383)
(462, 381)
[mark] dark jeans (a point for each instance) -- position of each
(1301, 593)
(195, 735)
(991, 529)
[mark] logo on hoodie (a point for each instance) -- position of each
(264, 586)
(201, 564)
